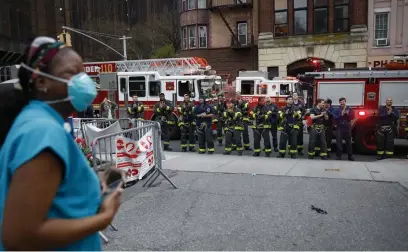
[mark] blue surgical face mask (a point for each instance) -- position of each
(81, 89)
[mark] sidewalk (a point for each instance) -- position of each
(391, 170)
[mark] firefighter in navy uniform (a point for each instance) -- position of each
(301, 106)
(204, 114)
(342, 118)
(163, 111)
(317, 132)
(289, 117)
(261, 115)
(329, 126)
(187, 124)
(386, 129)
(136, 110)
(232, 129)
(243, 106)
(219, 109)
(274, 122)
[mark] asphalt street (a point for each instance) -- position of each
(213, 211)
(401, 148)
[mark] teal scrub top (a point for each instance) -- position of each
(39, 127)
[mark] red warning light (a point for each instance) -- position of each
(315, 61)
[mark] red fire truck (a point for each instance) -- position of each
(254, 84)
(365, 91)
(148, 78)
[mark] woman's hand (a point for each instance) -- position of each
(111, 203)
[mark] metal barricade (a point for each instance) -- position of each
(101, 123)
(104, 153)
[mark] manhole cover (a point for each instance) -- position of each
(332, 169)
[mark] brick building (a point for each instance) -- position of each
(293, 31)
(21, 20)
(387, 38)
(225, 32)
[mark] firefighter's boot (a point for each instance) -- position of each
(324, 157)
(267, 154)
(293, 156)
(227, 153)
(239, 153)
(256, 154)
(167, 148)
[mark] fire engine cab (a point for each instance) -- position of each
(148, 78)
(254, 84)
(365, 91)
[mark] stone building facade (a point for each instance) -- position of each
(387, 37)
(333, 32)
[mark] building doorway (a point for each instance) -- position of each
(308, 65)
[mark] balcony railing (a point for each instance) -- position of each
(242, 41)
(213, 4)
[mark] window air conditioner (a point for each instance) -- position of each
(381, 42)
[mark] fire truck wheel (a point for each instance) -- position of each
(364, 139)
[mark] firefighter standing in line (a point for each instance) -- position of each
(163, 110)
(243, 106)
(329, 126)
(317, 132)
(233, 128)
(261, 115)
(219, 109)
(342, 119)
(289, 117)
(386, 129)
(136, 111)
(204, 114)
(187, 124)
(274, 122)
(299, 103)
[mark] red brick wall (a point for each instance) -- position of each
(226, 60)
(357, 12)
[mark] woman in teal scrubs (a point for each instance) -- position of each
(50, 199)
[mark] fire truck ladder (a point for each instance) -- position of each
(357, 74)
(172, 66)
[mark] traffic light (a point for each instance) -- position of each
(65, 38)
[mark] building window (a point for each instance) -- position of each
(300, 19)
(247, 87)
(273, 72)
(191, 4)
(350, 65)
(202, 4)
(242, 29)
(184, 38)
(184, 5)
(137, 86)
(202, 33)
(281, 18)
(321, 16)
(341, 15)
(192, 37)
(381, 29)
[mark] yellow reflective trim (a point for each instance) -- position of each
(228, 149)
(268, 150)
(293, 151)
(166, 142)
(211, 149)
(317, 148)
(192, 145)
(312, 153)
(389, 153)
(328, 149)
(380, 152)
(257, 150)
(240, 148)
(184, 146)
(323, 154)
(247, 145)
(300, 146)
(282, 151)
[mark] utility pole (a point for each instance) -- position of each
(124, 38)
(65, 19)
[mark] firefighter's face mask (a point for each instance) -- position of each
(81, 89)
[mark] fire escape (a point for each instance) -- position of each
(239, 39)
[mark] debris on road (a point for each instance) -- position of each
(318, 210)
